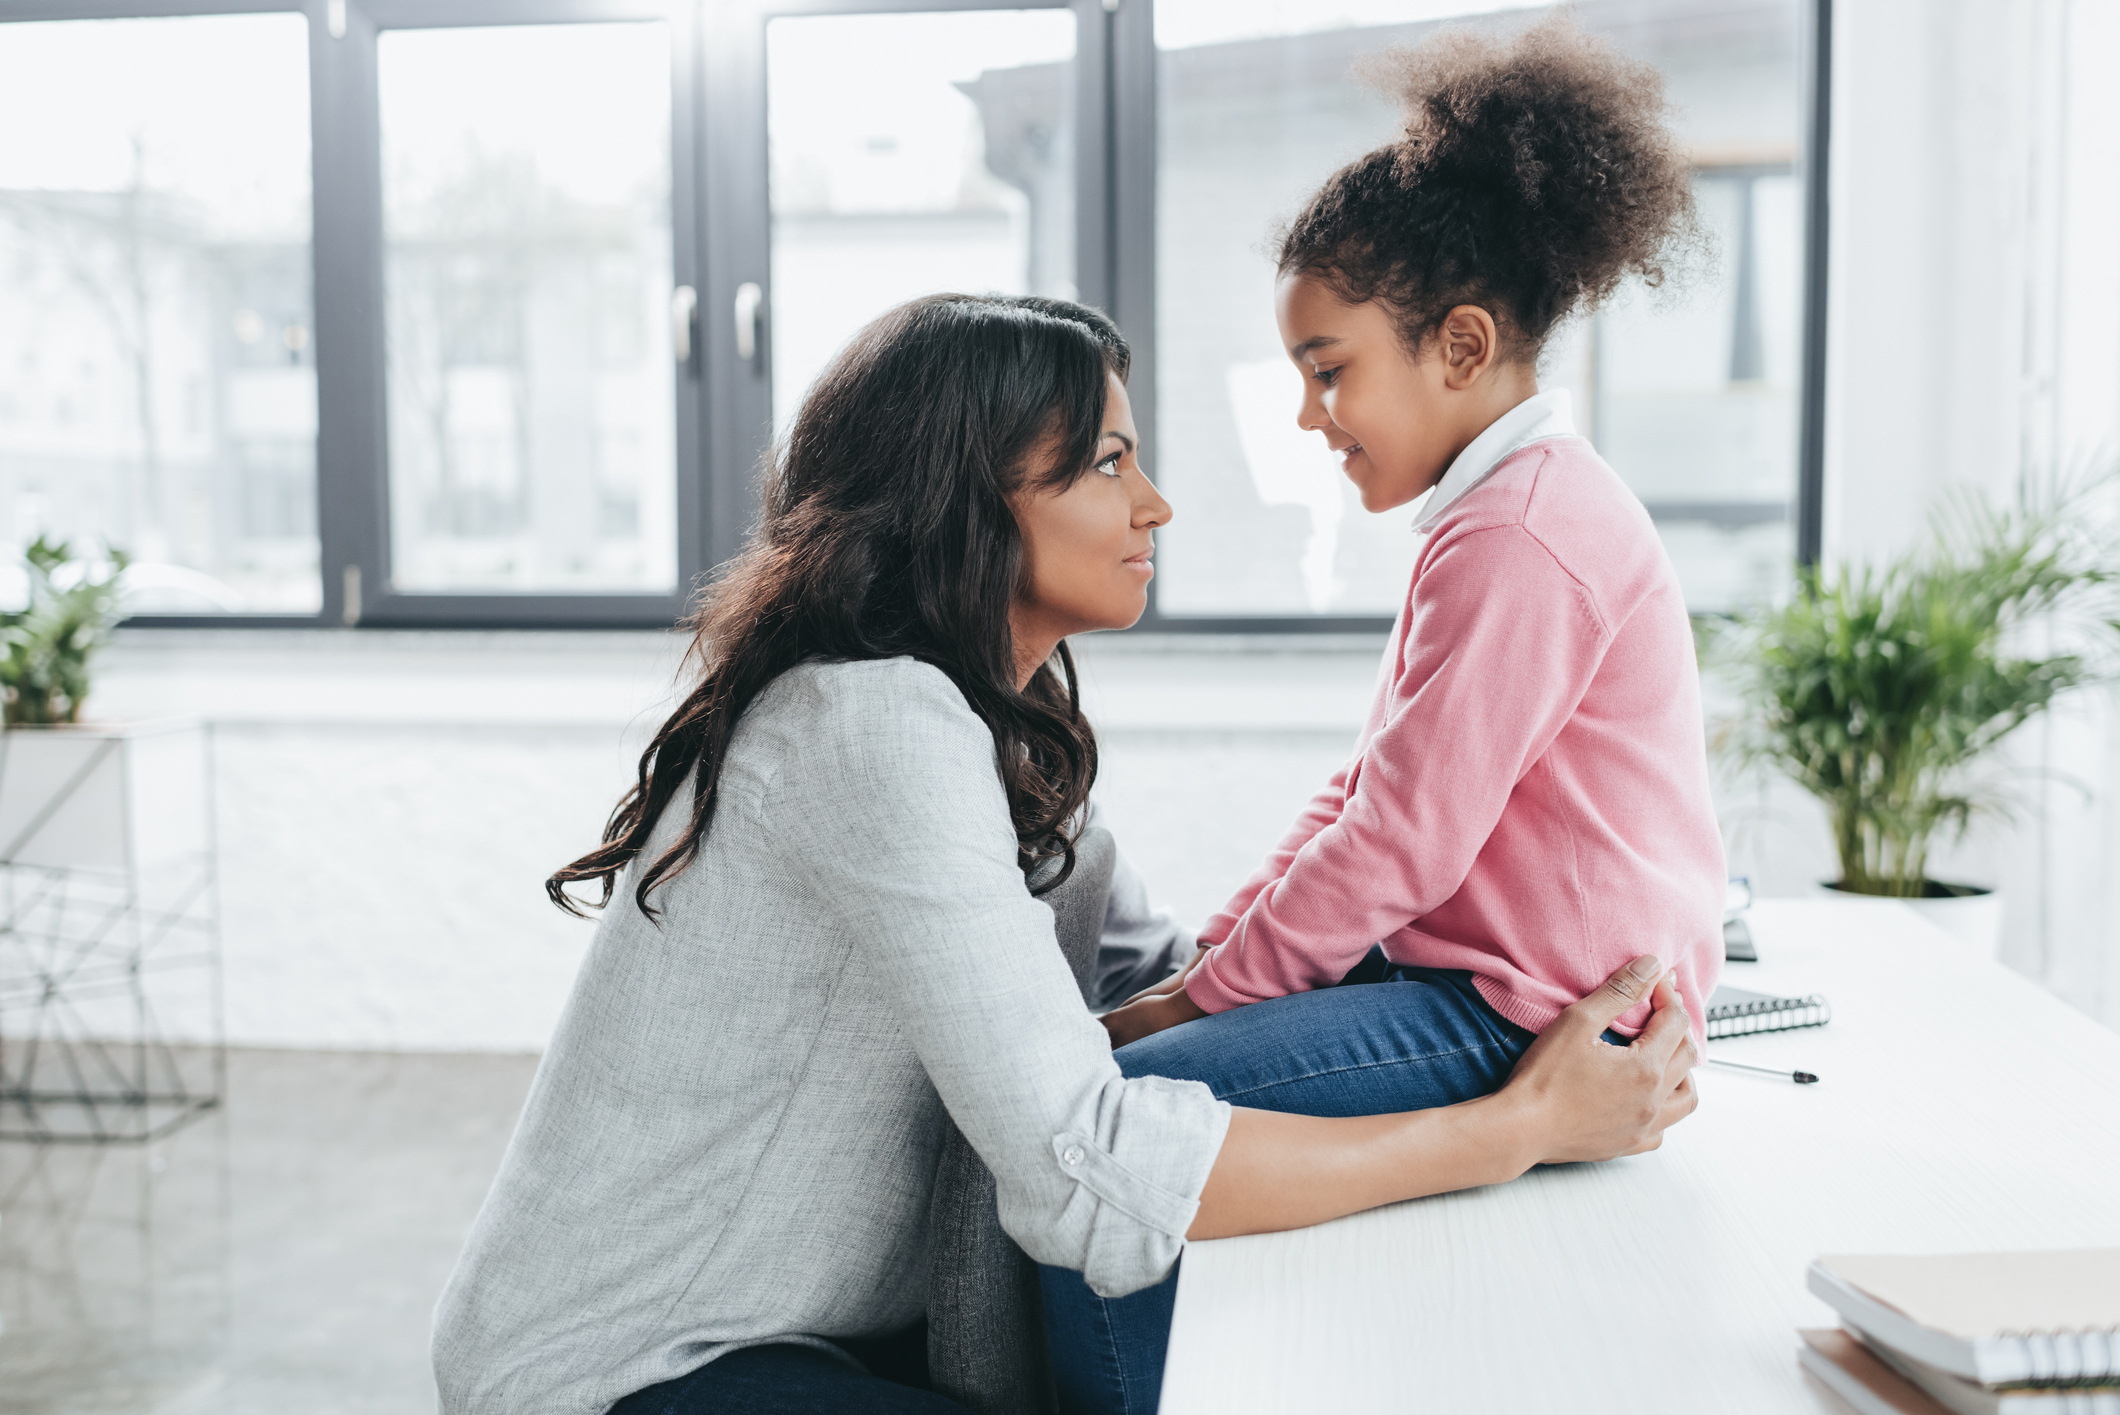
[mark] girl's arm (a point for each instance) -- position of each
(1573, 1097)
(1501, 643)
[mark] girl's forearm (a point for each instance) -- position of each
(1290, 1171)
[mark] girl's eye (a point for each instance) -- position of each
(1110, 465)
(1326, 376)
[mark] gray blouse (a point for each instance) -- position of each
(732, 1137)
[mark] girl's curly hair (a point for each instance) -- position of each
(1535, 173)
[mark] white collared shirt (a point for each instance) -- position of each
(1542, 415)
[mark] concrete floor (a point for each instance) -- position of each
(280, 1256)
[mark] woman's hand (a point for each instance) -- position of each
(1573, 1097)
(1585, 1099)
(1150, 1013)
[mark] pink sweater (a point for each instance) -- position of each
(1528, 799)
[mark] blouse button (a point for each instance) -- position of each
(1071, 1156)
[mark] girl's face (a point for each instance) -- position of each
(1086, 547)
(1396, 419)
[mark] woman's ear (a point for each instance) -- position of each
(1470, 344)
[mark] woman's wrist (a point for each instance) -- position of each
(1507, 1129)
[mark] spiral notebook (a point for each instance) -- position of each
(2000, 1319)
(1733, 1012)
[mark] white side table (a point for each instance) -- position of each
(110, 959)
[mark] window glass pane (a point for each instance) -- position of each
(913, 154)
(157, 382)
(526, 219)
(1692, 399)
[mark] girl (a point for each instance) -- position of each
(818, 947)
(1528, 799)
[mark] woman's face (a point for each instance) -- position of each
(1086, 547)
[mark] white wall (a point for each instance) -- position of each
(388, 807)
(1975, 339)
(389, 804)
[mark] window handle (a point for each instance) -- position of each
(749, 300)
(684, 308)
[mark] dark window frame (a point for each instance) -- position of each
(721, 242)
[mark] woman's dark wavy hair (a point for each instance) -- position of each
(1534, 174)
(887, 532)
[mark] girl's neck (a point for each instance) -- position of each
(1489, 400)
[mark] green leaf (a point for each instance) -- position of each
(1880, 689)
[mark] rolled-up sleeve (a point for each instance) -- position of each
(1094, 1172)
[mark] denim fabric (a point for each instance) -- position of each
(802, 1380)
(1389, 1038)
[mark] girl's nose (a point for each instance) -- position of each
(1311, 416)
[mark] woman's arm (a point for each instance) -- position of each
(890, 811)
(1572, 1097)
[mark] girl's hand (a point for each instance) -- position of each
(1148, 1015)
(1172, 983)
(1585, 1099)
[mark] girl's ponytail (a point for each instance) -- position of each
(1535, 173)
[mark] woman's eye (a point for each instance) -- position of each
(1110, 465)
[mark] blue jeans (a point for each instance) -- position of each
(801, 1380)
(1387, 1039)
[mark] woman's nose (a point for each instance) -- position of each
(1151, 509)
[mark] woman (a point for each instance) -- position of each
(823, 947)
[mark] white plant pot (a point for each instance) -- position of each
(1975, 920)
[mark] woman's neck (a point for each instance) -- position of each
(1030, 658)
(1034, 643)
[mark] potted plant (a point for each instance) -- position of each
(49, 642)
(1882, 690)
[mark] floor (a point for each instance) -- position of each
(279, 1256)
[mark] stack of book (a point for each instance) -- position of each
(1973, 1334)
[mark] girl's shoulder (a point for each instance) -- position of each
(1562, 495)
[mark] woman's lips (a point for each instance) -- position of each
(1141, 562)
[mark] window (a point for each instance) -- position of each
(526, 239)
(157, 367)
(502, 339)
(911, 154)
(1693, 401)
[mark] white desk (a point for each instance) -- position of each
(1959, 1108)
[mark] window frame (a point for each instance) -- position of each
(721, 240)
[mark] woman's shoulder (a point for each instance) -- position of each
(839, 714)
(854, 692)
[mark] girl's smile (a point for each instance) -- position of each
(1397, 419)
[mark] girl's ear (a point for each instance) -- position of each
(1469, 345)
